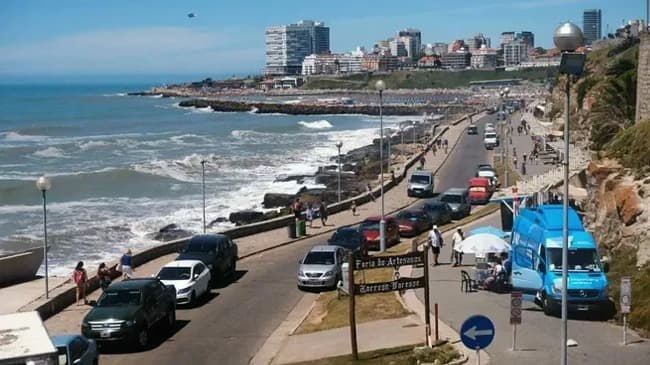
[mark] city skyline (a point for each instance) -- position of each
(157, 37)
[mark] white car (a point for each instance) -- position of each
(191, 278)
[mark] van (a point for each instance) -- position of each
(536, 252)
(420, 184)
(472, 129)
(490, 140)
(480, 190)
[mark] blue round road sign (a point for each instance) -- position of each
(477, 332)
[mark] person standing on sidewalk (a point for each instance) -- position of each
(369, 190)
(80, 278)
(435, 240)
(104, 275)
(322, 210)
(456, 239)
(310, 214)
(126, 264)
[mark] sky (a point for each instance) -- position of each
(147, 38)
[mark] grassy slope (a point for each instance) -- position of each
(423, 79)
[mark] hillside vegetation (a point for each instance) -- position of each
(424, 79)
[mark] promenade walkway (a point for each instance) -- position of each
(394, 199)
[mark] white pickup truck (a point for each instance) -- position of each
(490, 140)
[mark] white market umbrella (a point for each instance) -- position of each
(481, 244)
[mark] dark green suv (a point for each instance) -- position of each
(127, 311)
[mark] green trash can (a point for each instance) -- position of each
(301, 228)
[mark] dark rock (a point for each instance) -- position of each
(170, 232)
(218, 220)
(300, 179)
(272, 200)
(245, 217)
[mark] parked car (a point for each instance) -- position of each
(438, 211)
(413, 221)
(128, 310)
(321, 267)
(190, 278)
(216, 251)
(458, 201)
(490, 140)
(370, 228)
(420, 184)
(472, 129)
(349, 238)
(479, 190)
(490, 173)
(76, 349)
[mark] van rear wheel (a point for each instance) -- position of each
(547, 306)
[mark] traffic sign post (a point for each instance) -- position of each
(515, 315)
(476, 333)
(626, 303)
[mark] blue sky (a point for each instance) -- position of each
(77, 38)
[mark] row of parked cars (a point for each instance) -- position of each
(128, 311)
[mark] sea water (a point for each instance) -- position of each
(123, 166)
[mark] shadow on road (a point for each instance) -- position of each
(220, 284)
(201, 301)
(158, 337)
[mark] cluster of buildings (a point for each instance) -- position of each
(304, 49)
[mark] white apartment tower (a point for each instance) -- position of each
(288, 45)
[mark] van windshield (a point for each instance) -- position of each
(451, 198)
(490, 135)
(579, 260)
(419, 179)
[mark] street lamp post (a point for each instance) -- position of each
(414, 134)
(567, 38)
(203, 185)
(381, 86)
(339, 144)
(401, 132)
(388, 130)
(43, 184)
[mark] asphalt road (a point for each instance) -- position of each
(231, 326)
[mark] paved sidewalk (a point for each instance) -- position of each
(396, 198)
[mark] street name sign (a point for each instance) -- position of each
(477, 332)
(626, 294)
(388, 286)
(515, 307)
(378, 262)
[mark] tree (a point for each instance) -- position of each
(540, 50)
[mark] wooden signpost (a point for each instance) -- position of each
(399, 284)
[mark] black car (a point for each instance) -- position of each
(349, 238)
(439, 212)
(216, 251)
(472, 129)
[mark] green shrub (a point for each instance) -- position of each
(632, 146)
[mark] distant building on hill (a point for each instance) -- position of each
(288, 45)
(457, 60)
(412, 39)
(591, 25)
(334, 63)
(484, 58)
(477, 42)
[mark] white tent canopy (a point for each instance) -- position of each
(481, 244)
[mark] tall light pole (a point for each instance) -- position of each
(43, 184)
(567, 38)
(203, 184)
(339, 144)
(401, 133)
(388, 130)
(381, 86)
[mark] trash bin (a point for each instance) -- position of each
(291, 229)
(302, 228)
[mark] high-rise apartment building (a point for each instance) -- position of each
(506, 37)
(412, 39)
(591, 25)
(288, 45)
(526, 37)
(478, 41)
(515, 52)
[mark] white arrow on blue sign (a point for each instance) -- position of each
(477, 332)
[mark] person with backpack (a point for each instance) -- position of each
(80, 278)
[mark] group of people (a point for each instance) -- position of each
(311, 211)
(439, 145)
(436, 242)
(104, 274)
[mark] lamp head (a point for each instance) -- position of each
(43, 183)
(380, 85)
(339, 144)
(568, 37)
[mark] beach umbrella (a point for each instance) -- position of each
(489, 230)
(481, 244)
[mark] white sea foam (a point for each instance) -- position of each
(253, 110)
(92, 144)
(319, 124)
(206, 109)
(17, 137)
(50, 152)
(157, 96)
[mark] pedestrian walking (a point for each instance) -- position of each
(523, 158)
(322, 209)
(456, 239)
(514, 161)
(104, 275)
(353, 207)
(126, 265)
(369, 191)
(435, 240)
(310, 214)
(514, 151)
(523, 168)
(434, 149)
(80, 278)
(422, 162)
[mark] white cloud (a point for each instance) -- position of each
(145, 50)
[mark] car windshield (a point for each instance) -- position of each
(369, 226)
(490, 135)
(419, 179)
(451, 198)
(319, 258)
(344, 236)
(174, 273)
(579, 260)
(116, 298)
(63, 355)
(200, 247)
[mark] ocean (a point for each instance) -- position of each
(122, 166)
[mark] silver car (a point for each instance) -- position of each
(458, 200)
(321, 267)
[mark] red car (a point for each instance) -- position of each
(413, 222)
(370, 229)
